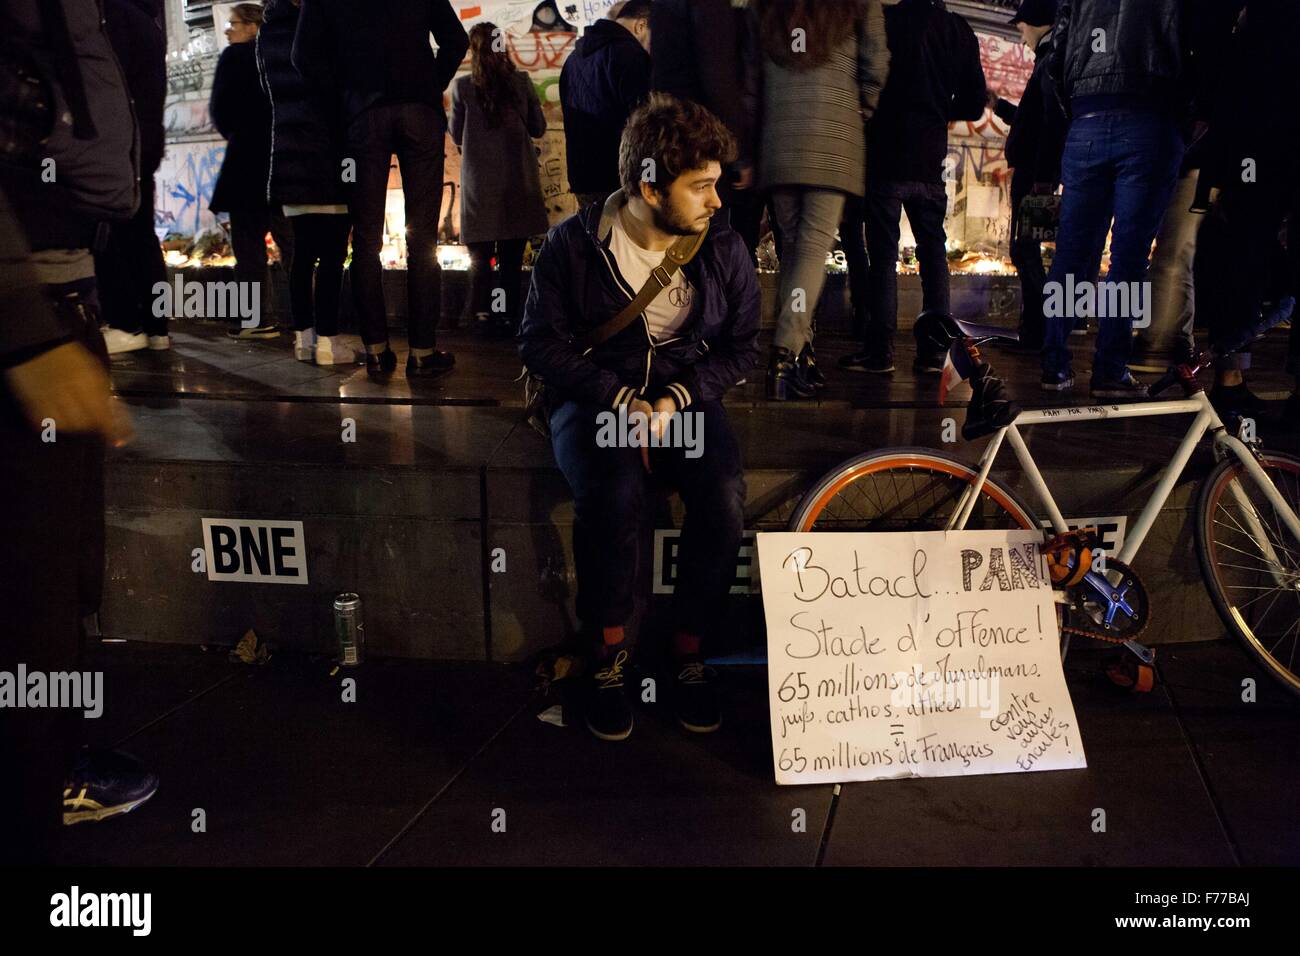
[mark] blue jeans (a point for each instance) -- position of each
(1122, 165)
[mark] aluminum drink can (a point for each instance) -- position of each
(349, 631)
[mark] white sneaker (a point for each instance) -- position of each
(160, 343)
(304, 345)
(329, 351)
(119, 341)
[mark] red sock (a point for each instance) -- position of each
(685, 645)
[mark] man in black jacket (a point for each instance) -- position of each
(1126, 75)
(697, 49)
(1033, 151)
(935, 77)
(674, 362)
(377, 56)
(604, 79)
(132, 263)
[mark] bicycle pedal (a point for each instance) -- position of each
(1129, 674)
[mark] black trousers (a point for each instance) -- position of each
(51, 575)
(1241, 264)
(1027, 257)
(415, 132)
(853, 241)
(509, 254)
(320, 243)
(129, 267)
(926, 205)
(609, 488)
(248, 229)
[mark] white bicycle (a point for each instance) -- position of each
(1246, 525)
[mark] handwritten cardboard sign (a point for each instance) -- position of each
(922, 654)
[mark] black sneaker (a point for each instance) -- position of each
(609, 714)
(866, 362)
(103, 784)
(1236, 401)
(432, 365)
(382, 364)
(1126, 386)
(1057, 381)
(928, 364)
(695, 698)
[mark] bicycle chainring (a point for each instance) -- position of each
(1125, 604)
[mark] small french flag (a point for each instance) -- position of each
(958, 365)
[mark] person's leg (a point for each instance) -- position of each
(510, 265)
(146, 251)
(306, 234)
(370, 145)
(248, 228)
(480, 278)
(1087, 205)
(817, 213)
(331, 250)
(883, 207)
(1027, 257)
(1148, 149)
(1173, 294)
(712, 486)
(745, 209)
(853, 241)
(926, 205)
(608, 486)
(419, 147)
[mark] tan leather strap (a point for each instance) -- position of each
(661, 277)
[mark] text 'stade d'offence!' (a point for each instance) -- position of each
(913, 654)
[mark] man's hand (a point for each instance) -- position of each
(68, 385)
(640, 407)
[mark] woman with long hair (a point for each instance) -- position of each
(495, 116)
(819, 73)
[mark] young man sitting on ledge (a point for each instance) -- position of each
(646, 304)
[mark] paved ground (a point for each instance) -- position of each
(412, 772)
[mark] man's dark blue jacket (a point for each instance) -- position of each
(576, 286)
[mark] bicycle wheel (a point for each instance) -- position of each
(904, 489)
(1251, 561)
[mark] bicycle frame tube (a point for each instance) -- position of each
(1198, 405)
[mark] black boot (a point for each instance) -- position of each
(807, 363)
(784, 379)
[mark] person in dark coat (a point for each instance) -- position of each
(698, 51)
(241, 112)
(378, 57)
(131, 264)
(1033, 151)
(495, 116)
(306, 184)
(935, 77)
(604, 79)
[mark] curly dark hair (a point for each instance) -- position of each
(678, 135)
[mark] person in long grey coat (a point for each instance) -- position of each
(495, 116)
(818, 76)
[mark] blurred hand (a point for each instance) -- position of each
(639, 407)
(68, 385)
(1043, 189)
(744, 178)
(991, 97)
(664, 410)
